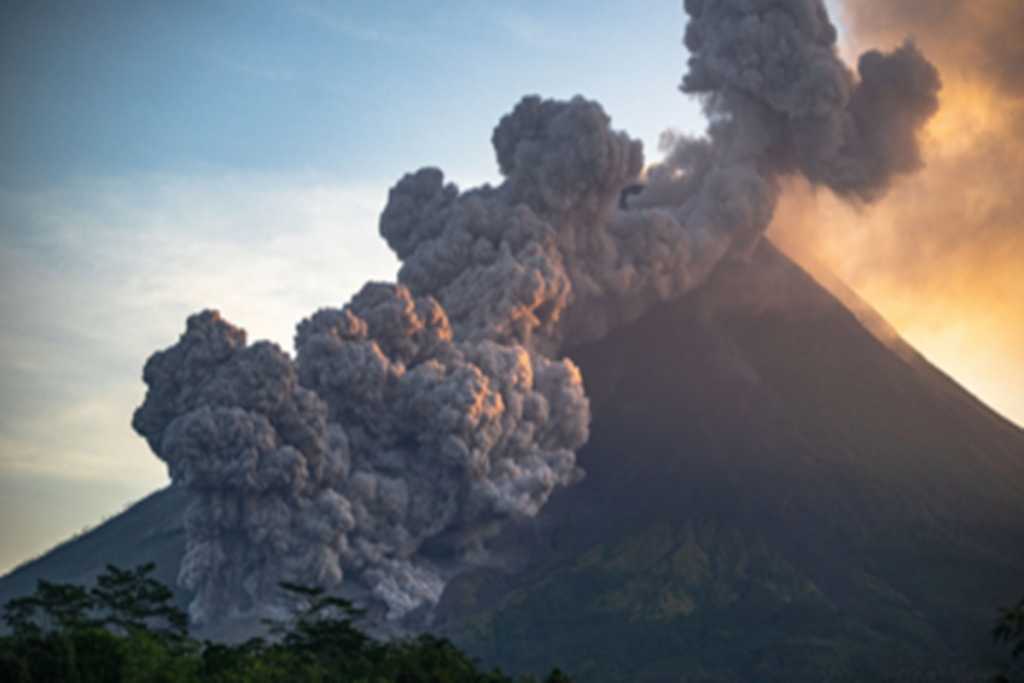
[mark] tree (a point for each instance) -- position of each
(131, 599)
(323, 637)
(124, 629)
(127, 630)
(54, 606)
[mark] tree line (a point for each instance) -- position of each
(127, 629)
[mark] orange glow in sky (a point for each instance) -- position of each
(940, 258)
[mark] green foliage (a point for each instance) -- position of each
(132, 600)
(53, 606)
(127, 630)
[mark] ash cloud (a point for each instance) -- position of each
(770, 73)
(447, 437)
(424, 414)
(254, 449)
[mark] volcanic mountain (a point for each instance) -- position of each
(777, 489)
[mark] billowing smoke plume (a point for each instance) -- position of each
(255, 450)
(422, 415)
(447, 437)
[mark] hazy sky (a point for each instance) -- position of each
(160, 158)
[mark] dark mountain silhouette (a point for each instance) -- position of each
(777, 489)
(773, 493)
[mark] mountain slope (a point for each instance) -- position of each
(770, 489)
(151, 530)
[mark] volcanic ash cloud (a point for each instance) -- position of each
(423, 415)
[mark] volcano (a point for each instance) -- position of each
(777, 488)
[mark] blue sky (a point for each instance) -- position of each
(159, 158)
(342, 88)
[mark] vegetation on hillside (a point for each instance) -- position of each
(126, 629)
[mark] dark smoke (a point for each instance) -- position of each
(979, 39)
(422, 415)
(780, 97)
(254, 448)
(447, 436)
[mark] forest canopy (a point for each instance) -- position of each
(127, 628)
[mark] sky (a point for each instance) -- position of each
(162, 158)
